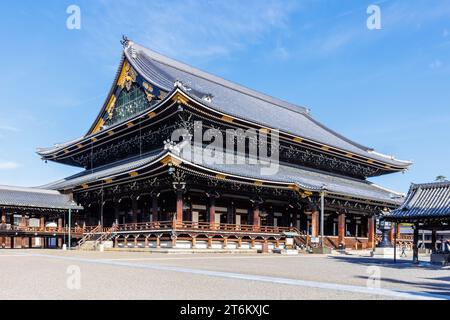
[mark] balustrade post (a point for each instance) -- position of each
(210, 242)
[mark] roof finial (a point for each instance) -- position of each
(125, 41)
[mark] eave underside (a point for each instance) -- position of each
(299, 180)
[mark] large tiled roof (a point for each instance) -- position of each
(106, 171)
(305, 178)
(430, 200)
(20, 197)
(241, 102)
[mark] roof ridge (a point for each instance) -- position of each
(429, 185)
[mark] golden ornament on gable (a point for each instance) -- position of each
(148, 87)
(149, 96)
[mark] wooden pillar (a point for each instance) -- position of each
(433, 240)
(416, 244)
(158, 242)
(391, 234)
(155, 208)
(194, 242)
(135, 209)
(294, 219)
(42, 223)
(371, 231)
(256, 218)
(60, 226)
(398, 230)
(179, 213)
(12, 242)
(315, 224)
(23, 222)
(341, 230)
(30, 242)
(230, 214)
(3, 227)
(116, 211)
(212, 212)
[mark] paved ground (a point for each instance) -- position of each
(51, 274)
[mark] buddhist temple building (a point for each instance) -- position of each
(427, 207)
(138, 187)
(34, 218)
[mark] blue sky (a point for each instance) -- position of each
(388, 89)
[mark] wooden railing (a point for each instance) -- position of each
(89, 234)
(188, 225)
(56, 230)
(200, 226)
(144, 226)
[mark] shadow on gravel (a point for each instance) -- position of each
(429, 285)
(387, 263)
(439, 286)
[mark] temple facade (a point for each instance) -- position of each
(175, 158)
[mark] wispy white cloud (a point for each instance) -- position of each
(8, 128)
(349, 27)
(197, 29)
(8, 165)
(436, 64)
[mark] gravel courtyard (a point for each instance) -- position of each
(51, 274)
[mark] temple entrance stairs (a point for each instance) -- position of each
(97, 236)
(89, 238)
(301, 240)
